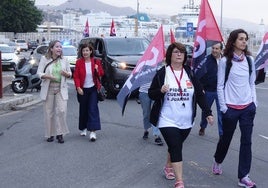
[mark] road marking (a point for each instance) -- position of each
(265, 137)
(261, 88)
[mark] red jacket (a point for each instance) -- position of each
(80, 72)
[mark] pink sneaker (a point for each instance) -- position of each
(216, 169)
(246, 182)
(169, 173)
(179, 184)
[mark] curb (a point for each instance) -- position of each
(16, 102)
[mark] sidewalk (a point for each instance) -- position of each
(12, 101)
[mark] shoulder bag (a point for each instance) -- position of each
(101, 91)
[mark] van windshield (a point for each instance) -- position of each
(69, 51)
(126, 46)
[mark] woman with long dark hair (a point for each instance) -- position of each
(237, 98)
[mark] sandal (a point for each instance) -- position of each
(169, 173)
(179, 184)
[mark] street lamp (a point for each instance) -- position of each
(48, 24)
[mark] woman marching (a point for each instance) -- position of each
(176, 91)
(87, 74)
(236, 74)
(54, 70)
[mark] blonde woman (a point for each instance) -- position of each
(54, 70)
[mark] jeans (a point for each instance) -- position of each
(210, 97)
(146, 103)
(245, 117)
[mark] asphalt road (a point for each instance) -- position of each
(120, 157)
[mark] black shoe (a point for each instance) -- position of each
(60, 139)
(145, 135)
(50, 139)
(158, 141)
(202, 132)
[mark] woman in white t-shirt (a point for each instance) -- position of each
(176, 91)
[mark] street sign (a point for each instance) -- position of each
(190, 29)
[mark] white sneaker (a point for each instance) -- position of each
(83, 132)
(92, 136)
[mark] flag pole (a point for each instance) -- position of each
(221, 15)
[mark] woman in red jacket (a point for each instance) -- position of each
(87, 71)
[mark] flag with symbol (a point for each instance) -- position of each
(86, 30)
(112, 29)
(207, 33)
(145, 68)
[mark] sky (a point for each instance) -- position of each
(250, 10)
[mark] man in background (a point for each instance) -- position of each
(207, 74)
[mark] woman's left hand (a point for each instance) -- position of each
(96, 67)
(210, 120)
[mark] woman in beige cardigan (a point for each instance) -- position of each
(54, 70)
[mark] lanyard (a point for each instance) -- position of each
(178, 81)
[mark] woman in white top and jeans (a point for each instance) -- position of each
(237, 98)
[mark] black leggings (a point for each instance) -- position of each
(174, 138)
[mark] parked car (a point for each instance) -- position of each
(21, 44)
(68, 51)
(119, 56)
(32, 45)
(9, 57)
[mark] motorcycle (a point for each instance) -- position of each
(26, 77)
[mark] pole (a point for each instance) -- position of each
(221, 16)
(1, 78)
(137, 20)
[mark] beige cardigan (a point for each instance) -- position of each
(45, 82)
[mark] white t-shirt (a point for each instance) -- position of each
(89, 78)
(177, 111)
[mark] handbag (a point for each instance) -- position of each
(101, 91)
(101, 94)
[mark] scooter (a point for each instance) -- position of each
(26, 77)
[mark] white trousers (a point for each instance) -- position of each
(55, 111)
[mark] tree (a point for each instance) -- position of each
(19, 16)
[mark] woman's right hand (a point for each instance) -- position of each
(165, 88)
(48, 76)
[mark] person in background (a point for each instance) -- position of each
(207, 74)
(87, 75)
(176, 91)
(54, 70)
(237, 98)
(146, 104)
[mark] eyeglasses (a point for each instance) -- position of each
(178, 52)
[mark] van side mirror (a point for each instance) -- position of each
(97, 53)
